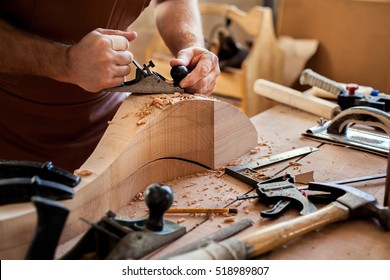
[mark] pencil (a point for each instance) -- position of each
(201, 210)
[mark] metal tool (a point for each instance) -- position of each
(21, 180)
(147, 81)
(281, 195)
(51, 220)
(348, 95)
(277, 191)
(339, 131)
(349, 203)
(17, 190)
(113, 238)
(46, 171)
(245, 172)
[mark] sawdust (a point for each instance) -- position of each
(229, 220)
(82, 172)
(161, 101)
(294, 163)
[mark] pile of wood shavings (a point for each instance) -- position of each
(162, 101)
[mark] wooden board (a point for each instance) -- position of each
(179, 135)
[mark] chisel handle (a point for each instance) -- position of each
(270, 237)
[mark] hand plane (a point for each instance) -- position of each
(148, 81)
(113, 238)
(341, 130)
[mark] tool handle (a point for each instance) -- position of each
(311, 78)
(276, 235)
(270, 237)
(158, 198)
(296, 99)
(51, 220)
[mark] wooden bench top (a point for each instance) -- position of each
(279, 130)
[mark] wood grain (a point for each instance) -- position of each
(180, 136)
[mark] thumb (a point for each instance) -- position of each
(183, 58)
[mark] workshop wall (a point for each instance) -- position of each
(354, 37)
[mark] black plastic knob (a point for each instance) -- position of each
(158, 198)
(178, 73)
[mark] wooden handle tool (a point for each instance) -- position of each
(351, 202)
(268, 238)
(296, 99)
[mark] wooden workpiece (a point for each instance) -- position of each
(279, 130)
(152, 138)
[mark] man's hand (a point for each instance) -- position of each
(100, 60)
(93, 63)
(203, 66)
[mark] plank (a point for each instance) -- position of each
(179, 135)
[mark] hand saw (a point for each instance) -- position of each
(147, 81)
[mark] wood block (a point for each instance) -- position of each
(178, 136)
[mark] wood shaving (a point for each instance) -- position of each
(190, 185)
(181, 220)
(82, 172)
(159, 102)
(110, 122)
(220, 174)
(142, 121)
(139, 197)
(294, 163)
(125, 116)
(229, 220)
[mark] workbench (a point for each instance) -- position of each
(279, 130)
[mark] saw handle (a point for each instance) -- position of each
(270, 237)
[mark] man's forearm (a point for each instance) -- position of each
(179, 24)
(25, 53)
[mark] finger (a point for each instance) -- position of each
(130, 36)
(183, 58)
(202, 70)
(117, 81)
(119, 43)
(122, 58)
(122, 70)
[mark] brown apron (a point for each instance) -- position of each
(45, 120)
